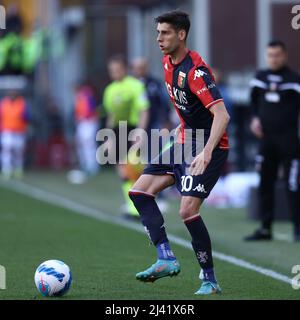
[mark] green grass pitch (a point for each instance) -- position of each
(105, 257)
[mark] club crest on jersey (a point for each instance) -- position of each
(181, 79)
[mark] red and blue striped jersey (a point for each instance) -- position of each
(193, 91)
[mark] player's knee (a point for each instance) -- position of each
(140, 197)
(187, 211)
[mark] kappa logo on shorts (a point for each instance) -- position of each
(200, 188)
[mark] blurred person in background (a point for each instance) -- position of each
(54, 119)
(14, 119)
(11, 44)
(19, 54)
(14, 21)
(125, 99)
(159, 111)
(160, 108)
(87, 125)
(275, 100)
(57, 153)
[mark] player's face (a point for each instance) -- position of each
(168, 38)
(117, 71)
(276, 58)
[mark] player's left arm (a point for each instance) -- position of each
(202, 84)
(219, 125)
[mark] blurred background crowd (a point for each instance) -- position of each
(54, 57)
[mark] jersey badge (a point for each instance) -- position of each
(181, 79)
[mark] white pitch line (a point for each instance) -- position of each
(84, 210)
(282, 237)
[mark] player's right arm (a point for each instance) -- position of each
(219, 125)
(202, 84)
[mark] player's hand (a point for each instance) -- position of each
(201, 162)
(256, 128)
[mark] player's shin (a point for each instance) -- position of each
(202, 246)
(153, 222)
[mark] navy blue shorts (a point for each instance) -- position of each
(194, 186)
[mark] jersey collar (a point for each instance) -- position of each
(177, 64)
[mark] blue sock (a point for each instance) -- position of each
(151, 217)
(209, 275)
(164, 252)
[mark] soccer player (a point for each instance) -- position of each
(86, 119)
(199, 105)
(125, 99)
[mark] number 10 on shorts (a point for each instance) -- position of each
(186, 183)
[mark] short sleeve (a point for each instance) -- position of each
(203, 85)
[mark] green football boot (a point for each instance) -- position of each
(161, 269)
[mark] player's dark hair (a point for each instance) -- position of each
(179, 20)
(118, 58)
(277, 43)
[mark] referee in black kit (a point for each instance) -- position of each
(275, 100)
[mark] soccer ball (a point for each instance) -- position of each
(53, 278)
